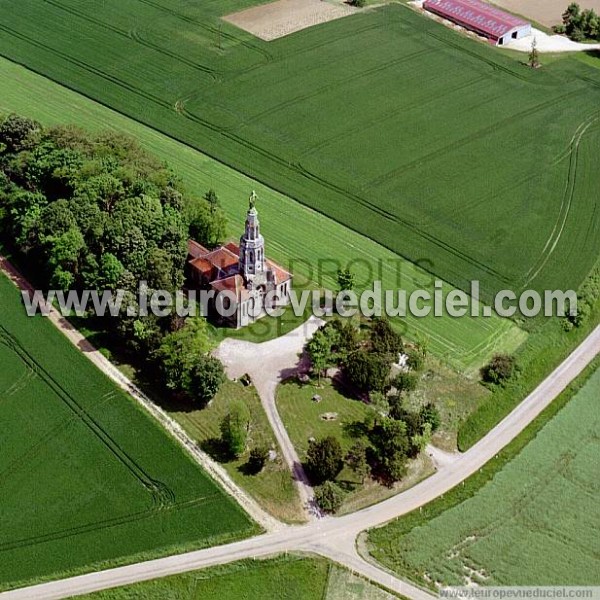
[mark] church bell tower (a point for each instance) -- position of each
(252, 248)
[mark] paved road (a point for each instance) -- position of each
(268, 364)
(334, 537)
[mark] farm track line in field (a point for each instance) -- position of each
(565, 207)
(334, 84)
(210, 28)
(85, 417)
(388, 115)
(127, 35)
(476, 135)
(104, 524)
(410, 226)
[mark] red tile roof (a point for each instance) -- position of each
(476, 15)
(233, 247)
(195, 249)
(281, 274)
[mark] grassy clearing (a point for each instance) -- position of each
(303, 240)
(303, 419)
(87, 477)
(273, 488)
(505, 196)
(525, 503)
(455, 395)
(289, 577)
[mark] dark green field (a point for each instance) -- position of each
(440, 148)
(85, 476)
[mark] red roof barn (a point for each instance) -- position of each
(498, 26)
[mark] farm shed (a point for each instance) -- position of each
(497, 26)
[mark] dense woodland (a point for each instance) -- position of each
(95, 211)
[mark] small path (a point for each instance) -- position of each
(268, 364)
(440, 458)
(208, 464)
(549, 43)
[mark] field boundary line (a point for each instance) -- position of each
(211, 467)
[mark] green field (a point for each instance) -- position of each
(87, 477)
(439, 148)
(466, 343)
(541, 504)
(290, 577)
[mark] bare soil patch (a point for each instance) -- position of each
(546, 12)
(280, 18)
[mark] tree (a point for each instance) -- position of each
(346, 280)
(212, 199)
(329, 496)
(405, 382)
(384, 340)
(179, 353)
(258, 459)
(368, 372)
(420, 440)
(429, 414)
(207, 221)
(356, 459)
(391, 446)
(319, 351)
(534, 61)
(15, 131)
(324, 459)
(206, 378)
(499, 369)
(234, 428)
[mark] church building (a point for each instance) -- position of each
(243, 270)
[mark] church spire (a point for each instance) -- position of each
(252, 246)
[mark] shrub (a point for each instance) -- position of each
(499, 370)
(324, 459)
(258, 459)
(329, 496)
(234, 428)
(429, 414)
(405, 382)
(415, 360)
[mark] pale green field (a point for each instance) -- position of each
(281, 578)
(298, 237)
(535, 523)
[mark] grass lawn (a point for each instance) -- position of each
(88, 478)
(535, 500)
(303, 419)
(303, 240)
(290, 577)
(273, 488)
(440, 148)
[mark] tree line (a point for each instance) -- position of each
(88, 211)
(579, 24)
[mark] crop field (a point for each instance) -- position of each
(298, 237)
(86, 476)
(439, 148)
(289, 577)
(544, 503)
